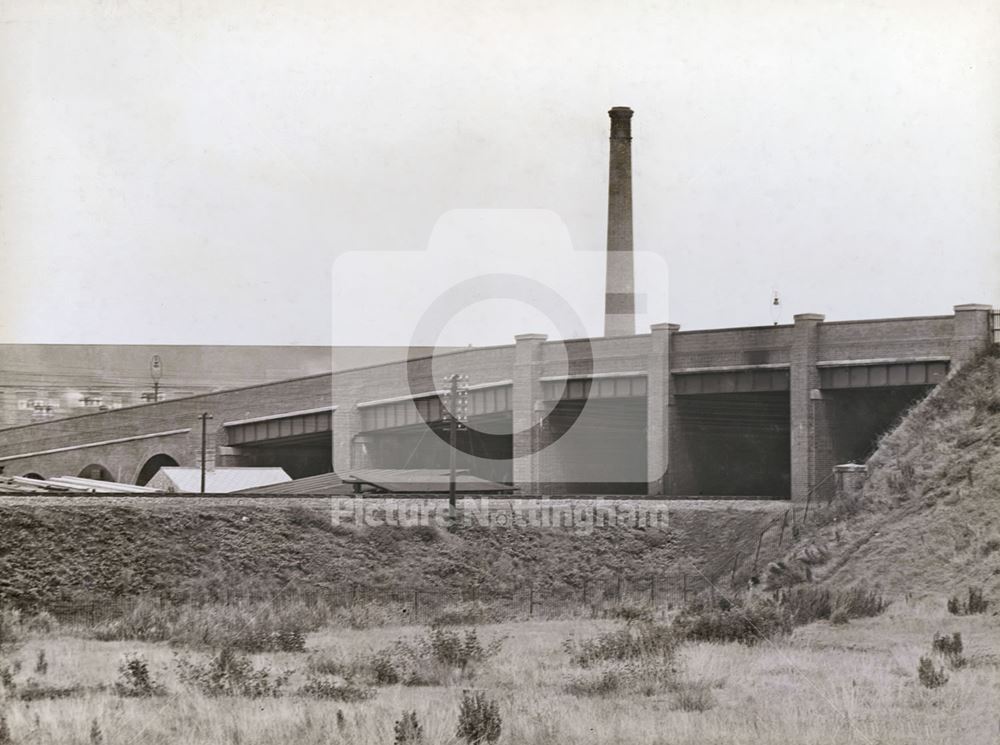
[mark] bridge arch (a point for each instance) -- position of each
(34, 475)
(152, 465)
(96, 471)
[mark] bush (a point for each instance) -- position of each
(478, 719)
(11, 630)
(261, 627)
(230, 674)
(5, 738)
(434, 659)
(330, 689)
(408, 730)
(930, 676)
(950, 647)
(134, 679)
(749, 623)
(632, 641)
(370, 615)
(973, 605)
(808, 603)
(41, 664)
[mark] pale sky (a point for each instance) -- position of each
(192, 174)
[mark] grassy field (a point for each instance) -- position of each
(852, 683)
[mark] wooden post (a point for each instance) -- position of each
(531, 601)
(354, 594)
(415, 605)
(684, 580)
(619, 589)
(732, 578)
(781, 535)
(652, 593)
(585, 591)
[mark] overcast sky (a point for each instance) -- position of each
(191, 174)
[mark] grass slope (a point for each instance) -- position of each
(194, 547)
(929, 518)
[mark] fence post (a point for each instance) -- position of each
(585, 591)
(619, 592)
(415, 605)
(531, 601)
(684, 579)
(781, 535)
(652, 593)
(354, 593)
(732, 578)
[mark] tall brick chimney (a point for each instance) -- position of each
(619, 288)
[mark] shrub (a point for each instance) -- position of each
(629, 642)
(839, 617)
(134, 679)
(5, 738)
(42, 623)
(330, 689)
(607, 683)
(930, 675)
(478, 719)
(975, 603)
(11, 630)
(408, 730)
(369, 615)
(228, 673)
(436, 658)
(243, 626)
(750, 623)
(41, 664)
(950, 647)
(808, 603)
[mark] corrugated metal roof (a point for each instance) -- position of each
(324, 483)
(218, 480)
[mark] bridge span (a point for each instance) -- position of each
(740, 412)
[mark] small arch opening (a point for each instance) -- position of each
(151, 466)
(34, 475)
(97, 472)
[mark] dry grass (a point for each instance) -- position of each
(823, 684)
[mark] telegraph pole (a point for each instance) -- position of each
(456, 412)
(156, 371)
(204, 443)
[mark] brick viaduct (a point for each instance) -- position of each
(757, 411)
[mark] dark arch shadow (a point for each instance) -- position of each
(96, 471)
(151, 466)
(34, 475)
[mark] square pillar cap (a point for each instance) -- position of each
(665, 327)
(809, 317)
(972, 306)
(531, 337)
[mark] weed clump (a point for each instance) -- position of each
(135, 680)
(478, 719)
(950, 648)
(331, 689)
(748, 622)
(633, 640)
(975, 603)
(229, 673)
(439, 657)
(408, 730)
(931, 675)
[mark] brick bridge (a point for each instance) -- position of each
(758, 411)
